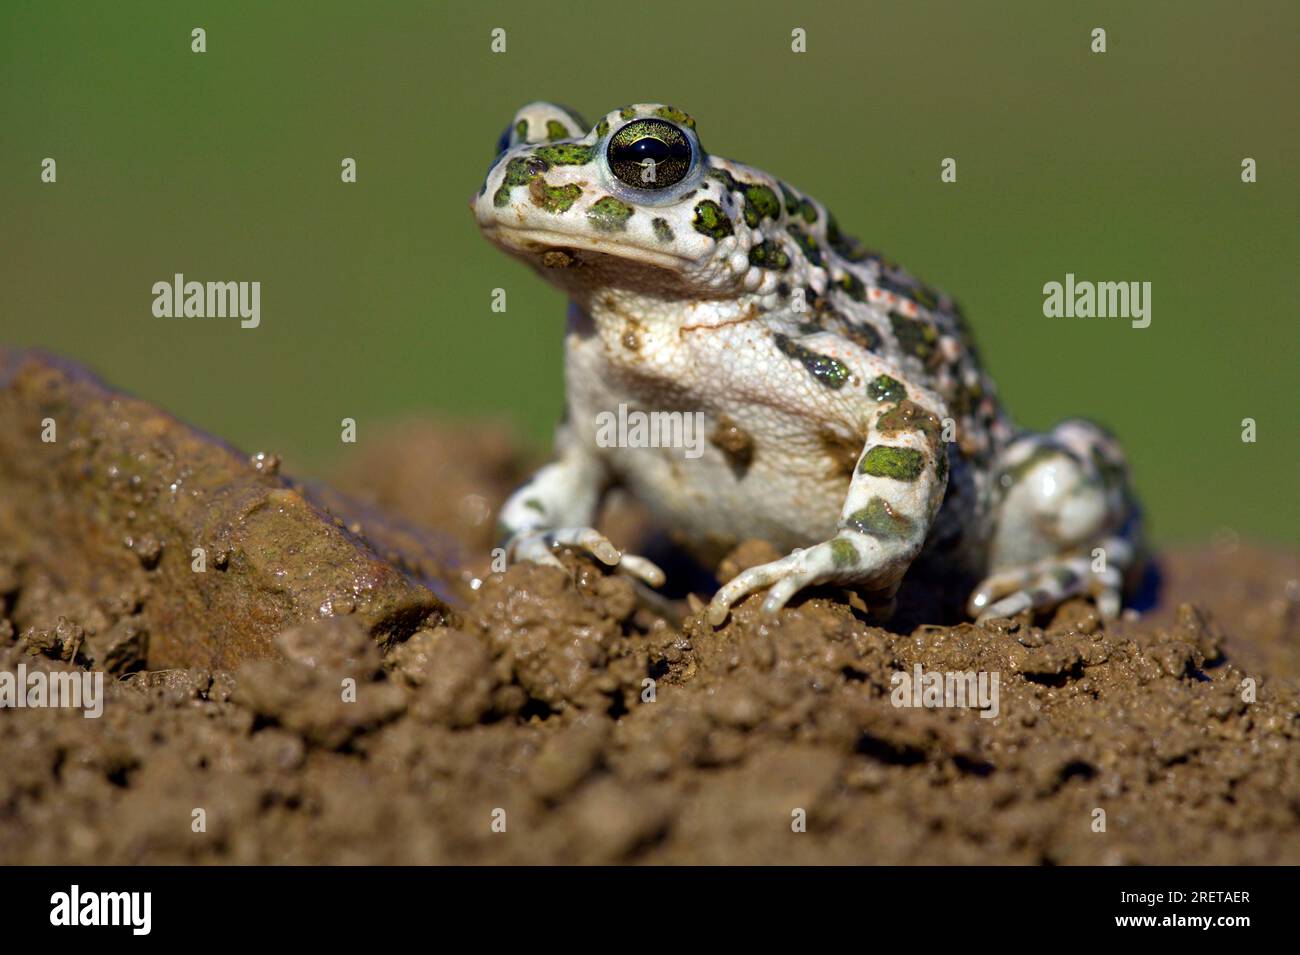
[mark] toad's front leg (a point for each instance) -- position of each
(896, 489)
(556, 508)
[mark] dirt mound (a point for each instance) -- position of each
(547, 717)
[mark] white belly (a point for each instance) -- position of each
(790, 493)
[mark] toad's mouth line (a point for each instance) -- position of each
(541, 241)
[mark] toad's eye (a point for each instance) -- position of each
(649, 154)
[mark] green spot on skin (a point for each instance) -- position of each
(844, 245)
(535, 505)
(884, 388)
(760, 203)
(926, 297)
(769, 255)
(675, 115)
(808, 211)
(520, 171)
(880, 520)
(609, 215)
(899, 464)
(914, 337)
(627, 112)
(860, 332)
(726, 178)
(909, 416)
(556, 130)
(565, 154)
(711, 220)
(554, 198)
(830, 372)
(602, 128)
(941, 464)
(864, 336)
(806, 242)
(521, 130)
(843, 553)
(663, 231)
(852, 287)
(791, 200)
(891, 282)
(962, 402)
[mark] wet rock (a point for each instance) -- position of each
(229, 553)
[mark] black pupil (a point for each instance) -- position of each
(648, 148)
(650, 154)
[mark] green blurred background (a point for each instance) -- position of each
(375, 296)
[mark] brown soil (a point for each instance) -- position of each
(525, 698)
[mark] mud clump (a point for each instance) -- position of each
(316, 693)
(554, 716)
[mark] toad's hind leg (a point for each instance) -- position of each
(1065, 523)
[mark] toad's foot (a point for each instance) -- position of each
(836, 561)
(1067, 524)
(554, 509)
(539, 547)
(1051, 581)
